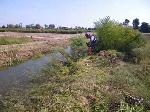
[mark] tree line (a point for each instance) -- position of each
(144, 27)
(38, 26)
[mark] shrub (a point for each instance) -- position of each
(79, 48)
(113, 35)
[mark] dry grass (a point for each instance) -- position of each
(9, 53)
(47, 35)
(14, 40)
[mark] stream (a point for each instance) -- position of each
(19, 75)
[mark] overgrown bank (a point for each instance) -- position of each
(91, 84)
(111, 80)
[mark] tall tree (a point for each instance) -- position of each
(136, 23)
(145, 28)
(37, 26)
(3, 26)
(18, 25)
(126, 22)
(10, 26)
(21, 25)
(46, 26)
(28, 26)
(51, 26)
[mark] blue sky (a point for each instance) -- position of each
(72, 12)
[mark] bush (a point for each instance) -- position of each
(79, 47)
(113, 35)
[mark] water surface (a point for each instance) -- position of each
(18, 76)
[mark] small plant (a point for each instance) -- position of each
(79, 48)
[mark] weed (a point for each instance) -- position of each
(79, 48)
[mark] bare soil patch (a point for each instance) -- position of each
(147, 35)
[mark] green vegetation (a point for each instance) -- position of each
(14, 40)
(85, 85)
(113, 35)
(59, 31)
(142, 54)
(99, 83)
(79, 47)
(37, 55)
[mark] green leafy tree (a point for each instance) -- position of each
(126, 22)
(136, 23)
(28, 26)
(37, 26)
(10, 26)
(18, 25)
(145, 28)
(3, 26)
(51, 26)
(46, 26)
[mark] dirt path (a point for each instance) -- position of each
(147, 35)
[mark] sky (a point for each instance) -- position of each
(72, 13)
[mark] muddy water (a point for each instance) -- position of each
(18, 76)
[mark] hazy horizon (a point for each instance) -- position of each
(71, 13)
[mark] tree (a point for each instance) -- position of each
(18, 26)
(51, 26)
(3, 26)
(28, 26)
(145, 28)
(46, 26)
(126, 22)
(37, 26)
(136, 23)
(32, 26)
(10, 26)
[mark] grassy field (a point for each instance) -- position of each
(12, 40)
